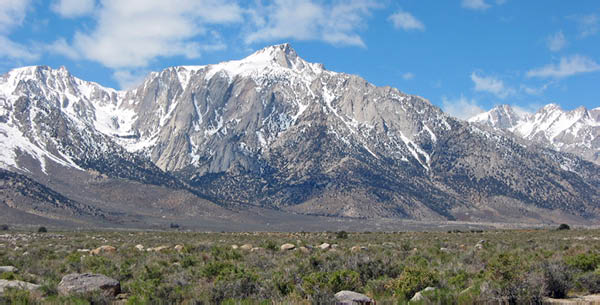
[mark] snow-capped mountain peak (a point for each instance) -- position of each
(273, 59)
(575, 131)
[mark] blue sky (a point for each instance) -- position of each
(463, 55)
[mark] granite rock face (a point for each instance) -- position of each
(275, 131)
(76, 283)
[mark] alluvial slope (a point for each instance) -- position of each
(276, 131)
(576, 131)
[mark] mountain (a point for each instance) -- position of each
(576, 131)
(275, 132)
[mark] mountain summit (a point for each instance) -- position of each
(576, 131)
(276, 132)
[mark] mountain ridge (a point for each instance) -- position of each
(274, 131)
(574, 131)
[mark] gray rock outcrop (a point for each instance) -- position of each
(77, 283)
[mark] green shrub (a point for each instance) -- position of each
(270, 245)
(17, 297)
(563, 226)
(413, 279)
(3, 227)
(8, 276)
(331, 282)
(42, 230)
(341, 235)
(584, 262)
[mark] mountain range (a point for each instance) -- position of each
(576, 131)
(274, 138)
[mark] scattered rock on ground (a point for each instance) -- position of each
(84, 250)
(4, 284)
(76, 283)
(234, 247)
(324, 246)
(255, 249)
(304, 249)
(358, 248)
(419, 295)
(346, 297)
(104, 249)
(157, 249)
(8, 269)
(139, 247)
(286, 247)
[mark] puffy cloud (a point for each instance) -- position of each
(13, 50)
(130, 34)
(128, 79)
(475, 4)
(556, 42)
(567, 66)
(73, 8)
(492, 85)
(12, 14)
(588, 24)
(461, 108)
(336, 23)
(408, 76)
(406, 21)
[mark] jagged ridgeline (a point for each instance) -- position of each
(275, 131)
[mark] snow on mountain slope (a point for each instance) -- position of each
(576, 131)
(277, 131)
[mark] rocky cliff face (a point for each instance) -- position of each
(576, 131)
(275, 131)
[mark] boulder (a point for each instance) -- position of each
(246, 247)
(84, 250)
(346, 297)
(157, 249)
(358, 248)
(287, 247)
(139, 247)
(4, 284)
(103, 250)
(304, 249)
(179, 248)
(324, 246)
(8, 269)
(419, 295)
(234, 247)
(76, 283)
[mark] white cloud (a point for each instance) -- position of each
(556, 42)
(130, 34)
(567, 66)
(475, 4)
(128, 79)
(12, 15)
(61, 47)
(535, 90)
(492, 85)
(461, 108)
(336, 24)
(408, 76)
(73, 8)
(588, 24)
(13, 50)
(406, 21)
